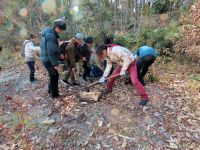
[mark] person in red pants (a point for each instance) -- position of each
(126, 63)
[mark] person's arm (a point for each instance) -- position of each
(52, 49)
(124, 54)
(153, 69)
(108, 68)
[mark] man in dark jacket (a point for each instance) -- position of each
(50, 54)
(85, 52)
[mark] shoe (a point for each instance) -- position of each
(55, 96)
(143, 102)
(107, 91)
(33, 80)
(74, 84)
(65, 81)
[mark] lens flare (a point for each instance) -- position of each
(49, 7)
(23, 12)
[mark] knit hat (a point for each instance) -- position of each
(89, 40)
(79, 36)
(60, 24)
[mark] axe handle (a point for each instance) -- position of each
(97, 82)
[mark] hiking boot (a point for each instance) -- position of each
(106, 91)
(74, 84)
(33, 80)
(55, 96)
(65, 81)
(143, 102)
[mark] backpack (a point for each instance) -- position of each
(95, 72)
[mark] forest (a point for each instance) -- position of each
(31, 119)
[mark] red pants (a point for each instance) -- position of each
(132, 70)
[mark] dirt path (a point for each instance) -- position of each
(170, 121)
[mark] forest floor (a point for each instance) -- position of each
(29, 119)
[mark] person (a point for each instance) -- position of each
(97, 67)
(30, 55)
(126, 63)
(146, 57)
(72, 57)
(50, 55)
(85, 53)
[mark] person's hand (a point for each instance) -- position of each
(102, 80)
(122, 72)
(60, 42)
(84, 59)
(62, 56)
(59, 68)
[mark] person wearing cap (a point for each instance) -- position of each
(146, 57)
(50, 54)
(85, 52)
(72, 58)
(30, 55)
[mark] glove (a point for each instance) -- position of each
(102, 80)
(122, 72)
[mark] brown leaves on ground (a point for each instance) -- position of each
(30, 119)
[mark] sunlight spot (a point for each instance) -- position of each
(23, 12)
(23, 33)
(49, 6)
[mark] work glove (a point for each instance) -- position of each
(102, 79)
(122, 72)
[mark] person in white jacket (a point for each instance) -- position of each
(30, 55)
(126, 63)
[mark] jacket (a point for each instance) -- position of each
(49, 46)
(85, 51)
(145, 50)
(72, 54)
(120, 55)
(30, 51)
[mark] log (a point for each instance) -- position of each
(90, 96)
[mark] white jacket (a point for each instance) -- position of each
(120, 55)
(30, 49)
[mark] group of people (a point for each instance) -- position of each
(77, 54)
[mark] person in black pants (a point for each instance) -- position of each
(146, 57)
(85, 52)
(30, 51)
(50, 54)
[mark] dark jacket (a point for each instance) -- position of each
(71, 50)
(49, 46)
(85, 52)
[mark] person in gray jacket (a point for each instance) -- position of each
(30, 55)
(50, 54)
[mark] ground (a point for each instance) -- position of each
(29, 119)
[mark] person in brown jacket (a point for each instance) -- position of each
(72, 57)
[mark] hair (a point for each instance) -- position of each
(60, 24)
(108, 40)
(100, 48)
(31, 36)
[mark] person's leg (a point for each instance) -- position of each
(134, 79)
(111, 81)
(140, 64)
(54, 76)
(149, 60)
(53, 83)
(31, 66)
(86, 70)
